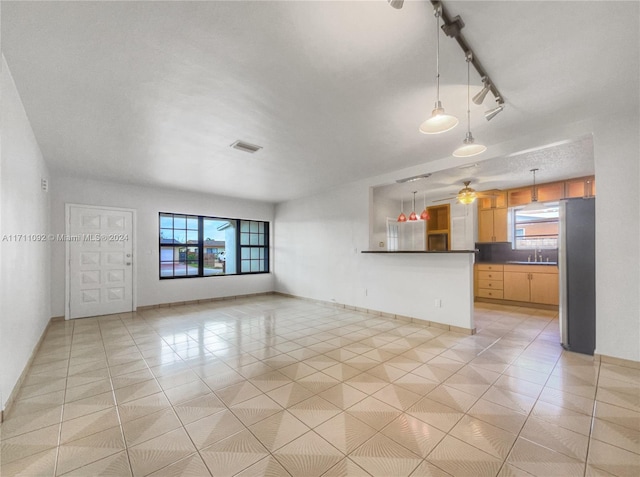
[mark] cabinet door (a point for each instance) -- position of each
(544, 288)
(549, 192)
(516, 286)
(500, 225)
(485, 225)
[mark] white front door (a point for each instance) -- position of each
(100, 261)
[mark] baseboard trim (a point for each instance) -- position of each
(523, 304)
(16, 388)
(406, 319)
(627, 363)
(199, 302)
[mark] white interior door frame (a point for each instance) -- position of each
(134, 268)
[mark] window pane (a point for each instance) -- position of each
(244, 239)
(261, 239)
(166, 254)
(245, 253)
(244, 226)
(166, 235)
(192, 223)
(180, 269)
(179, 236)
(166, 221)
(256, 266)
(536, 228)
(192, 268)
(192, 236)
(255, 253)
(246, 266)
(166, 269)
(253, 239)
(254, 227)
(179, 222)
(261, 227)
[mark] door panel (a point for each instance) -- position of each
(544, 288)
(100, 258)
(516, 286)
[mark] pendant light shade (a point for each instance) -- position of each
(402, 217)
(439, 121)
(425, 213)
(469, 147)
(413, 216)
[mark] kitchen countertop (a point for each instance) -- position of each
(418, 251)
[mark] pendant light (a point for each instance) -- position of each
(413, 216)
(533, 205)
(439, 122)
(469, 147)
(425, 213)
(402, 217)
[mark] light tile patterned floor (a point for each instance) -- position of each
(277, 386)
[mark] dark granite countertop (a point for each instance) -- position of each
(513, 262)
(418, 251)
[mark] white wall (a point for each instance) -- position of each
(617, 158)
(317, 237)
(24, 265)
(148, 202)
(318, 245)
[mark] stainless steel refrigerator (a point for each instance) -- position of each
(577, 268)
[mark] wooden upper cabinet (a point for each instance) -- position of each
(520, 196)
(495, 199)
(580, 187)
(500, 224)
(492, 225)
(550, 192)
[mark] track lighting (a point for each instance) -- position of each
(492, 113)
(397, 4)
(479, 98)
(439, 121)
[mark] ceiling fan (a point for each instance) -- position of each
(468, 195)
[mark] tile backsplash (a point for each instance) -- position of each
(503, 252)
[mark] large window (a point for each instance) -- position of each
(197, 246)
(535, 228)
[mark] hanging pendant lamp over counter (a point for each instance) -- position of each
(469, 147)
(439, 121)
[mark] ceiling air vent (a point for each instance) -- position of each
(245, 146)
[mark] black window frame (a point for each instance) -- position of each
(201, 246)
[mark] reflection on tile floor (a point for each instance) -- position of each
(283, 387)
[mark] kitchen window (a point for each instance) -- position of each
(201, 246)
(535, 228)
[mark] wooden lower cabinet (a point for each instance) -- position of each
(544, 288)
(488, 280)
(531, 283)
(516, 286)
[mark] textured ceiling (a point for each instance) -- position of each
(554, 162)
(155, 92)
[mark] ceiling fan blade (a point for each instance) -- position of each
(442, 200)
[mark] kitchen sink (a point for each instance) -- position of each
(516, 262)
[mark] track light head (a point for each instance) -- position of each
(492, 113)
(479, 98)
(397, 4)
